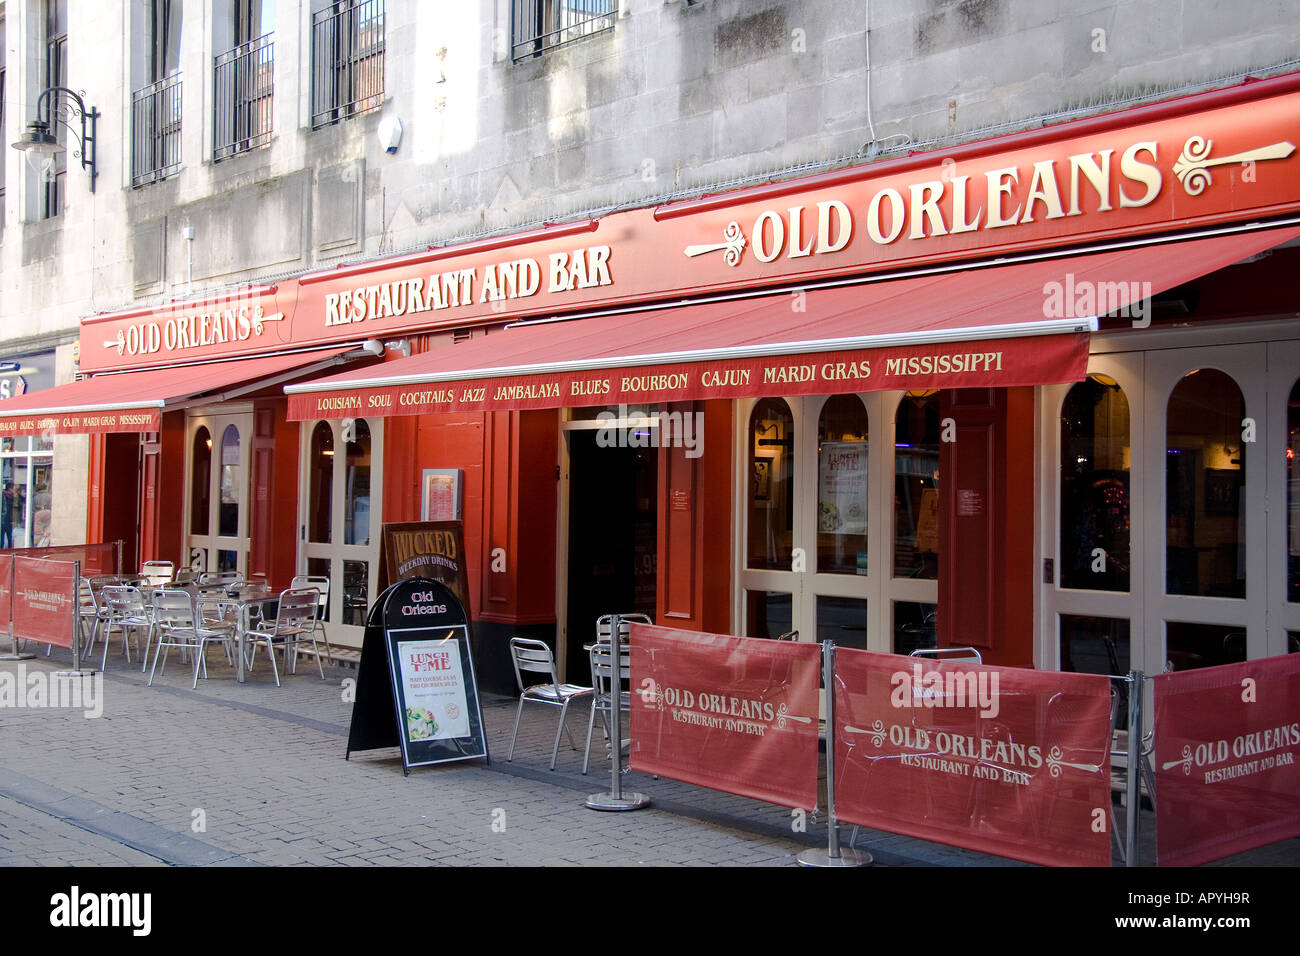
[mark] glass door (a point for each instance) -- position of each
(217, 538)
(1283, 481)
(339, 526)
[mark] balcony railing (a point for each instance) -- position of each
(347, 57)
(537, 26)
(156, 131)
(244, 91)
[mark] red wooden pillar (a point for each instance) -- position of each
(273, 518)
(694, 508)
(986, 515)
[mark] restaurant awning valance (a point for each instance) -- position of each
(135, 401)
(998, 325)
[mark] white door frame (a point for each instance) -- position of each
(335, 551)
(217, 420)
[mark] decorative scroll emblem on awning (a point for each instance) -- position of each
(1192, 167)
(732, 246)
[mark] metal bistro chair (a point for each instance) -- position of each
(321, 583)
(157, 574)
(89, 614)
(536, 657)
(178, 625)
(602, 675)
(220, 579)
(294, 621)
(124, 608)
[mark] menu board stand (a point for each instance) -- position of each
(426, 700)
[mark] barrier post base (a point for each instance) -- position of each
(18, 656)
(626, 801)
(821, 857)
(76, 673)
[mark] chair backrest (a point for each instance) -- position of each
(185, 576)
(624, 631)
(949, 654)
(789, 636)
(297, 608)
(157, 572)
(258, 579)
(602, 666)
(533, 656)
(173, 608)
(121, 601)
(88, 602)
(321, 583)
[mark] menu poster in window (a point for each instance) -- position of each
(420, 692)
(927, 523)
(430, 549)
(842, 488)
(440, 498)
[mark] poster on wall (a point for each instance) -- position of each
(419, 692)
(431, 549)
(842, 487)
(440, 494)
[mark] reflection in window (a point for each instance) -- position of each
(356, 592)
(842, 620)
(320, 480)
(1095, 458)
(842, 486)
(201, 481)
(768, 613)
(915, 626)
(1293, 495)
(1095, 645)
(771, 485)
(356, 513)
(916, 486)
(1188, 646)
(320, 567)
(230, 490)
(1205, 487)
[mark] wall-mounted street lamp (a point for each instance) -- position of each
(39, 142)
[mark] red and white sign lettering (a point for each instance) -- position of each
(732, 713)
(44, 600)
(1227, 759)
(1002, 760)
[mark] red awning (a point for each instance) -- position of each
(998, 325)
(135, 401)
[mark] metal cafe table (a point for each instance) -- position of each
(242, 602)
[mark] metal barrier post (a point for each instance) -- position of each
(117, 560)
(15, 655)
(833, 855)
(615, 799)
(1134, 788)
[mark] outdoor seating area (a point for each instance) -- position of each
(164, 609)
(532, 656)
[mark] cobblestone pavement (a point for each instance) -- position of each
(252, 774)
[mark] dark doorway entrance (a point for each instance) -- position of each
(121, 496)
(613, 537)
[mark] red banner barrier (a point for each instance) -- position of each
(44, 601)
(1007, 761)
(1227, 759)
(94, 558)
(732, 713)
(6, 602)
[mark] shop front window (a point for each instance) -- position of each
(916, 486)
(771, 486)
(321, 480)
(842, 486)
(230, 484)
(1205, 487)
(356, 514)
(768, 613)
(1095, 461)
(200, 481)
(26, 492)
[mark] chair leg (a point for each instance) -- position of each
(518, 713)
(555, 751)
(319, 666)
(200, 660)
(156, 652)
(104, 660)
(591, 725)
(148, 638)
(275, 671)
